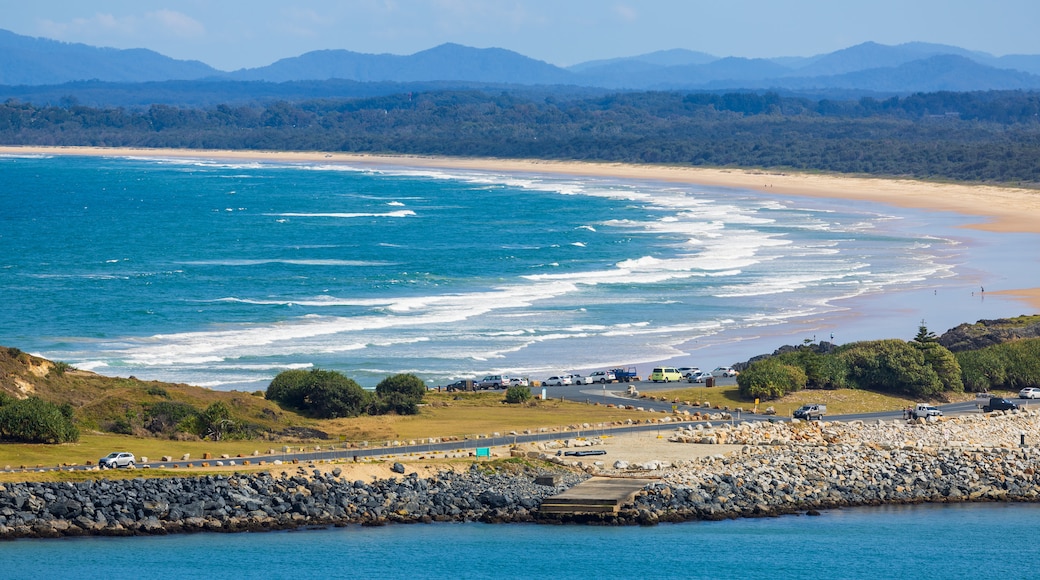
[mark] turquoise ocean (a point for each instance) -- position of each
(222, 274)
(925, 542)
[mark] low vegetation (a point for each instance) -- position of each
(921, 368)
(45, 402)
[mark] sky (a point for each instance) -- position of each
(233, 34)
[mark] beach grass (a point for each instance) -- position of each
(463, 416)
(839, 401)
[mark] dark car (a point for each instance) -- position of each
(999, 404)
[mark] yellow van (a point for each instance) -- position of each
(665, 374)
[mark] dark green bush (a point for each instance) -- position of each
(822, 370)
(321, 394)
(944, 363)
(1011, 365)
(518, 394)
(34, 420)
(401, 394)
(892, 366)
(289, 388)
(168, 417)
(769, 379)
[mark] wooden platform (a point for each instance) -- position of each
(596, 495)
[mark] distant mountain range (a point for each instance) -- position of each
(868, 68)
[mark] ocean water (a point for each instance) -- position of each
(925, 542)
(222, 274)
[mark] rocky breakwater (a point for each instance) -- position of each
(261, 501)
(803, 467)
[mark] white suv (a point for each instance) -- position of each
(117, 459)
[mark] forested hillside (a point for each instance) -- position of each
(978, 137)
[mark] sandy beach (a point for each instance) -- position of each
(1001, 210)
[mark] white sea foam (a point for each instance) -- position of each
(392, 214)
(263, 262)
(704, 261)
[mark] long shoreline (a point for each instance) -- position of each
(1002, 209)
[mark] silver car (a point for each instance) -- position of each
(117, 459)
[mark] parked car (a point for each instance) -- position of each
(494, 382)
(810, 411)
(603, 377)
(557, 380)
(1029, 393)
(926, 411)
(665, 374)
(577, 379)
(117, 459)
(519, 382)
(725, 372)
(999, 404)
(463, 385)
(699, 377)
(687, 371)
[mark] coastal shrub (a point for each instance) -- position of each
(34, 420)
(214, 423)
(401, 394)
(770, 378)
(289, 388)
(1023, 358)
(982, 369)
(945, 365)
(168, 417)
(892, 366)
(60, 367)
(822, 370)
(321, 394)
(331, 395)
(1010, 365)
(518, 394)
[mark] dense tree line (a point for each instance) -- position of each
(981, 137)
(918, 368)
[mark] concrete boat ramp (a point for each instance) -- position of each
(596, 495)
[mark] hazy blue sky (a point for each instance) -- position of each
(232, 34)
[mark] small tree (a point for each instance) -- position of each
(322, 394)
(925, 336)
(770, 378)
(34, 420)
(518, 394)
(331, 395)
(289, 388)
(400, 394)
